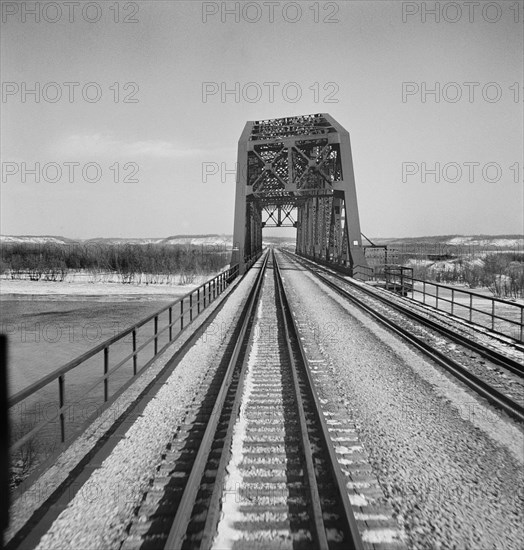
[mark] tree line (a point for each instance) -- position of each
(132, 263)
(502, 273)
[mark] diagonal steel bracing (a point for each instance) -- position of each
(298, 172)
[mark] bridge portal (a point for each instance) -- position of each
(298, 172)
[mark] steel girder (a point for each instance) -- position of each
(279, 215)
(302, 163)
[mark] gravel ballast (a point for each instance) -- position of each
(502, 379)
(448, 464)
(100, 512)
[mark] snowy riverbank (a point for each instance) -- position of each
(80, 288)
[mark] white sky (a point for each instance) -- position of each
(170, 132)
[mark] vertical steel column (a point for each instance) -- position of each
(352, 226)
(239, 230)
(61, 400)
(156, 333)
(106, 370)
(311, 227)
(135, 358)
(298, 247)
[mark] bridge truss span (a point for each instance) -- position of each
(298, 172)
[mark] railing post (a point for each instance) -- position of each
(61, 400)
(156, 332)
(522, 324)
(170, 324)
(204, 294)
(135, 358)
(190, 308)
(106, 370)
(452, 299)
(198, 301)
(182, 314)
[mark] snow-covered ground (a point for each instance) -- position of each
(486, 241)
(85, 286)
(34, 239)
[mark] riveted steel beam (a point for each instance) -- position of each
(298, 172)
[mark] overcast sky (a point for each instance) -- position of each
(148, 113)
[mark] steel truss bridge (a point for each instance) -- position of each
(298, 172)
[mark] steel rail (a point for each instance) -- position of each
(25, 531)
(214, 508)
(350, 528)
(184, 511)
(484, 389)
(318, 520)
(492, 355)
(215, 287)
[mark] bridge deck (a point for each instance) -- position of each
(392, 415)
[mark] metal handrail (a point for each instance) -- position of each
(399, 270)
(97, 349)
(205, 294)
(491, 299)
(469, 292)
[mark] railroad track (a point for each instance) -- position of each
(366, 299)
(255, 466)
